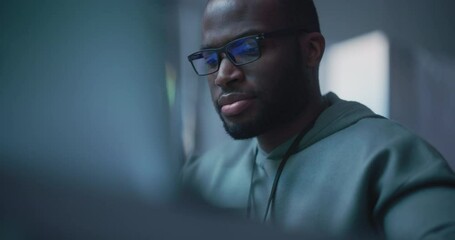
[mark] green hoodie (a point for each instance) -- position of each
(355, 175)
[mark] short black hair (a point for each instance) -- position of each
(302, 14)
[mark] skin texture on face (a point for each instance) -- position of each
(269, 94)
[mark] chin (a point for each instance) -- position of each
(240, 131)
(239, 135)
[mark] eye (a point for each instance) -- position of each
(211, 59)
(244, 50)
(244, 47)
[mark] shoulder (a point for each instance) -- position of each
(406, 171)
(408, 186)
(383, 134)
(394, 150)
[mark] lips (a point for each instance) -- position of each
(233, 104)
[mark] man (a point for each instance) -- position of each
(313, 164)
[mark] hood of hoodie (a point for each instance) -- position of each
(339, 115)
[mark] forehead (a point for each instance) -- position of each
(225, 20)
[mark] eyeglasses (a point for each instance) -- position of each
(240, 51)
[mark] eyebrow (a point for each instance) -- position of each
(247, 33)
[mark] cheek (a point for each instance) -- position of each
(270, 76)
(274, 64)
(279, 79)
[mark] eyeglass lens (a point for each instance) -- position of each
(241, 51)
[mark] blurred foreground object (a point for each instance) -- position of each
(85, 130)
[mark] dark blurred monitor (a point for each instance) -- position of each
(85, 145)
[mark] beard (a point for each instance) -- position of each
(269, 116)
(277, 106)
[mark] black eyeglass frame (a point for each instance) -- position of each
(256, 37)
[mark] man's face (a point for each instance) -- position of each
(260, 96)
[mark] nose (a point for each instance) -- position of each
(227, 74)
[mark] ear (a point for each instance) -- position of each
(314, 45)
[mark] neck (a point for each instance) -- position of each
(275, 137)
